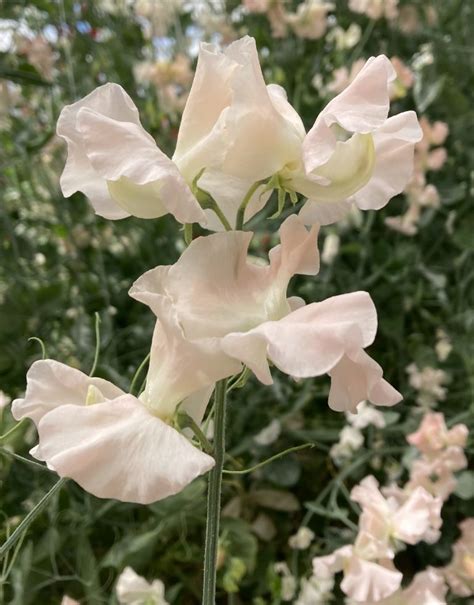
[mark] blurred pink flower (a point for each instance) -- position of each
(460, 572)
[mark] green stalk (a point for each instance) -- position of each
(239, 221)
(214, 497)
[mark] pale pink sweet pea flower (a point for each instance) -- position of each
(68, 601)
(241, 309)
(354, 153)
(427, 588)
(375, 9)
(460, 571)
(113, 444)
(132, 589)
(433, 435)
(369, 574)
(117, 164)
(310, 19)
(417, 517)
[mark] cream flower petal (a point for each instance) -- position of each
(132, 589)
(394, 149)
(357, 377)
(417, 517)
(324, 213)
(117, 449)
(242, 132)
(232, 295)
(112, 160)
(329, 565)
(51, 384)
(181, 370)
(78, 174)
(309, 341)
(365, 581)
(362, 107)
(140, 177)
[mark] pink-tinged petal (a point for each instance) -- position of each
(362, 107)
(309, 341)
(394, 149)
(417, 517)
(51, 384)
(324, 213)
(181, 369)
(427, 588)
(357, 377)
(367, 494)
(241, 131)
(78, 174)
(234, 294)
(329, 565)
(365, 581)
(140, 177)
(119, 450)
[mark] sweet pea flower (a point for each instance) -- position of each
(460, 572)
(365, 415)
(68, 601)
(302, 539)
(417, 517)
(369, 575)
(354, 153)
(434, 436)
(115, 445)
(240, 310)
(310, 19)
(116, 163)
(375, 9)
(132, 589)
(427, 588)
(350, 440)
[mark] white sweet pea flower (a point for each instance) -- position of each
(240, 310)
(116, 163)
(365, 416)
(302, 539)
(132, 589)
(115, 445)
(369, 574)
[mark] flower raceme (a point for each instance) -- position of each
(116, 445)
(239, 135)
(239, 310)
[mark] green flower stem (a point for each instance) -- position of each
(97, 344)
(30, 517)
(214, 497)
(239, 221)
(245, 471)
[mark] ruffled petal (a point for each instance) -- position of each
(416, 519)
(329, 565)
(234, 294)
(51, 384)
(140, 177)
(394, 149)
(357, 377)
(119, 450)
(241, 132)
(324, 213)
(365, 581)
(309, 341)
(362, 107)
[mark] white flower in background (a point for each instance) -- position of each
(315, 591)
(132, 589)
(365, 416)
(68, 601)
(330, 250)
(310, 19)
(302, 539)
(350, 440)
(429, 384)
(258, 323)
(288, 581)
(268, 434)
(375, 9)
(426, 588)
(4, 400)
(443, 345)
(345, 39)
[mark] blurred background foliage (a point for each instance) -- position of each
(60, 264)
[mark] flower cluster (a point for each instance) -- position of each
(217, 311)
(392, 517)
